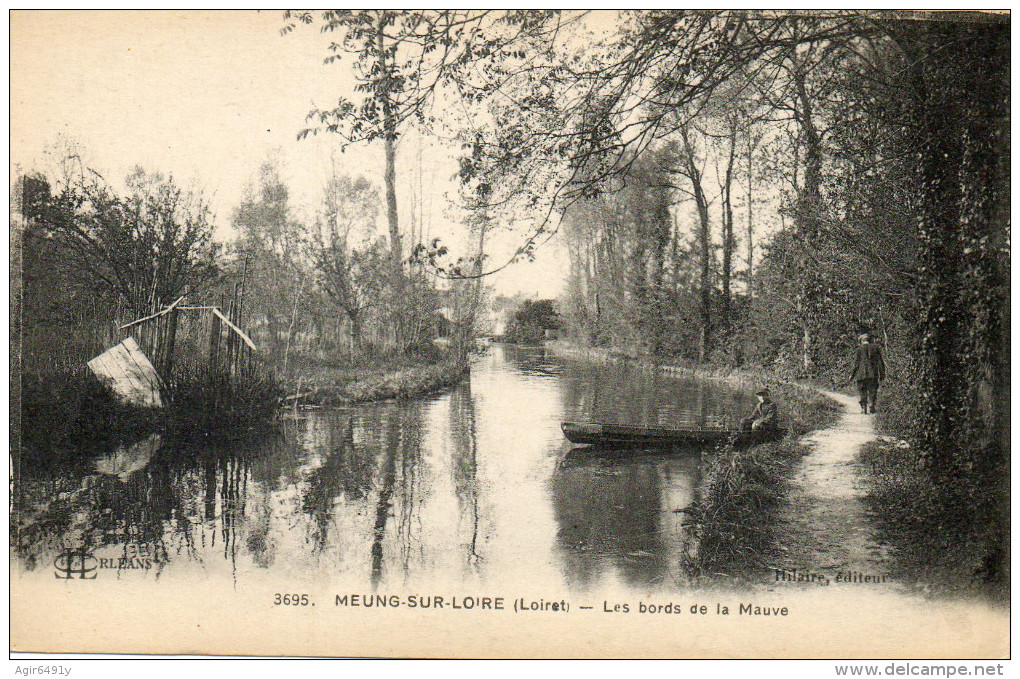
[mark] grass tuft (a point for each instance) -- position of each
(732, 526)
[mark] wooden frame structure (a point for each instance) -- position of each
(217, 336)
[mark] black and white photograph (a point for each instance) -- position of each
(511, 334)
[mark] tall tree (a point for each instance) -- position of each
(272, 241)
(377, 42)
(346, 255)
(692, 170)
(402, 62)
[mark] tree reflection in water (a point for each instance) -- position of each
(463, 486)
(465, 467)
(388, 476)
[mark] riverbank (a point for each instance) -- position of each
(739, 525)
(843, 493)
(940, 536)
(735, 526)
(72, 409)
(370, 380)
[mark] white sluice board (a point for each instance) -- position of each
(129, 374)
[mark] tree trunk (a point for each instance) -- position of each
(662, 231)
(963, 237)
(389, 142)
(391, 196)
(809, 209)
(705, 241)
(355, 320)
(808, 365)
(963, 160)
(293, 321)
(750, 223)
(728, 239)
(465, 331)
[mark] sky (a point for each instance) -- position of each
(208, 97)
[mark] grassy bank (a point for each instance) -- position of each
(737, 377)
(70, 409)
(370, 379)
(945, 540)
(733, 531)
(200, 404)
(733, 523)
(947, 537)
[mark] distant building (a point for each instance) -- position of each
(442, 323)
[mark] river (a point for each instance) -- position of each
(476, 486)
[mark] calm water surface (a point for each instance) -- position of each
(475, 486)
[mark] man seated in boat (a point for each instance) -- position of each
(765, 418)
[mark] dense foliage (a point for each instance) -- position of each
(93, 257)
(531, 320)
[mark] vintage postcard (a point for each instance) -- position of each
(510, 334)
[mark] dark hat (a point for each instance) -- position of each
(762, 392)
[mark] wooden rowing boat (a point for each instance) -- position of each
(594, 433)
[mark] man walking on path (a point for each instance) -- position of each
(869, 370)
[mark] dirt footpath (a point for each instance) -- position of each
(825, 529)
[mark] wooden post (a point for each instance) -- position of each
(214, 344)
(158, 327)
(229, 364)
(240, 347)
(171, 341)
(153, 348)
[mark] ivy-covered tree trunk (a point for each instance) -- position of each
(962, 116)
(962, 112)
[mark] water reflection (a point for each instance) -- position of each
(473, 486)
(623, 394)
(618, 517)
(465, 468)
(126, 459)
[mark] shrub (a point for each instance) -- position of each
(202, 403)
